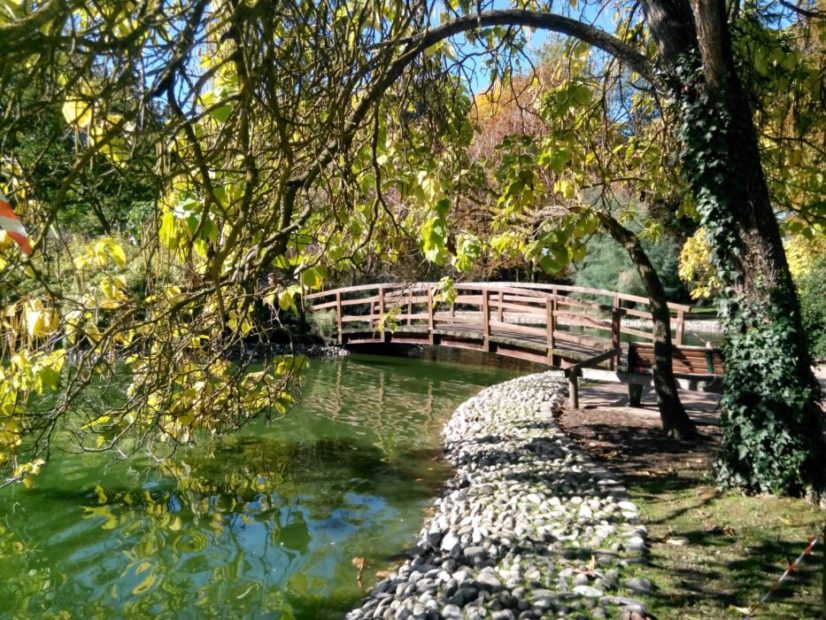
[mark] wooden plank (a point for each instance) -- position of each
(532, 310)
(400, 302)
(573, 390)
(638, 333)
(473, 300)
(325, 306)
(519, 329)
(519, 343)
(410, 340)
(444, 317)
(356, 318)
(640, 314)
(684, 347)
(565, 318)
(596, 343)
(522, 300)
(500, 314)
(359, 302)
(412, 317)
(411, 329)
(354, 289)
(696, 383)
(462, 344)
(591, 361)
(613, 376)
(522, 355)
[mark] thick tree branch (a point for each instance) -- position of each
(419, 43)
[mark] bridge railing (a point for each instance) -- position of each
(559, 313)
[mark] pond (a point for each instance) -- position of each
(273, 521)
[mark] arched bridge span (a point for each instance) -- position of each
(588, 332)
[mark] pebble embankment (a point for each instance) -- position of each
(528, 527)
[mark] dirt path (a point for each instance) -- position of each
(631, 438)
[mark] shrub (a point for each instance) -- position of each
(323, 323)
(811, 287)
(607, 266)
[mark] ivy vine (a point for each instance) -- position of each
(771, 429)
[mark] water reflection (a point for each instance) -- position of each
(265, 523)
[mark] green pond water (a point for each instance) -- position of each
(273, 521)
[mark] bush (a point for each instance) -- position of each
(811, 287)
(607, 266)
(323, 324)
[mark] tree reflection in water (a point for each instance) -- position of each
(266, 521)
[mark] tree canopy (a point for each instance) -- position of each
(186, 165)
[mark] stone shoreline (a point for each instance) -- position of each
(528, 527)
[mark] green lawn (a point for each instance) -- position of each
(733, 549)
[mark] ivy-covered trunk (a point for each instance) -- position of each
(772, 426)
(673, 416)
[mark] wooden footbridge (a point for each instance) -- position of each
(591, 333)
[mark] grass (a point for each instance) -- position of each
(734, 549)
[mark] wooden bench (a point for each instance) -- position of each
(685, 360)
(695, 369)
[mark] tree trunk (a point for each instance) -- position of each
(773, 437)
(675, 421)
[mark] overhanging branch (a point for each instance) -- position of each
(416, 45)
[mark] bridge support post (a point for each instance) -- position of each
(550, 326)
(430, 321)
(680, 335)
(616, 336)
(339, 330)
(485, 322)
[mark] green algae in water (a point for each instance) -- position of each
(268, 522)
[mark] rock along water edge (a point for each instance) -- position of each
(528, 527)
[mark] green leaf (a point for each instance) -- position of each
(221, 113)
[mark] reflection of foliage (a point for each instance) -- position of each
(242, 526)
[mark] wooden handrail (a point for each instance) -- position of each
(555, 289)
(516, 307)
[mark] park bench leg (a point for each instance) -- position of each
(573, 390)
(634, 394)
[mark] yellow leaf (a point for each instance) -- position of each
(77, 112)
(118, 255)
